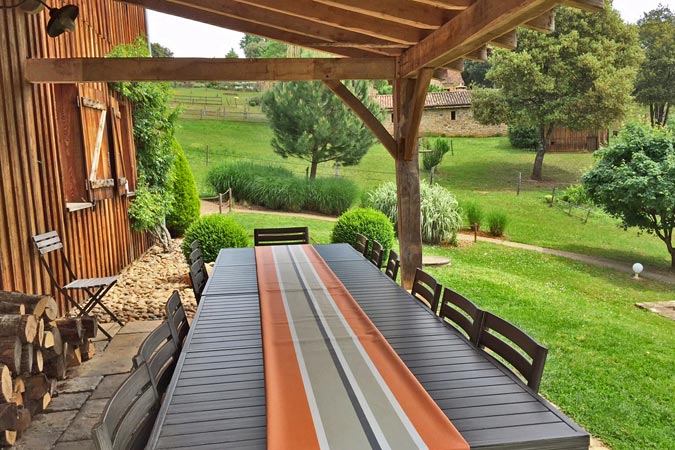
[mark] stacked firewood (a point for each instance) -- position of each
(36, 348)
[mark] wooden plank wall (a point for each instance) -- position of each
(98, 240)
(564, 140)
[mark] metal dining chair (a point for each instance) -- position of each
(158, 354)
(462, 314)
(426, 289)
(281, 236)
(361, 244)
(393, 264)
(376, 254)
(175, 315)
(198, 278)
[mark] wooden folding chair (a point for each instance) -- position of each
(128, 417)
(393, 264)
(281, 236)
(514, 346)
(175, 315)
(426, 289)
(95, 288)
(376, 254)
(361, 244)
(462, 314)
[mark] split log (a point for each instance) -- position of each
(37, 386)
(23, 419)
(71, 330)
(87, 350)
(19, 385)
(12, 308)
(10, 353)
(38, 361)
(8, 438)
(8, 415)
(48, 339)
(25, 326)
(38, 405)
(57, 348)
(56, 367)
(37, 305)
(90, 326)
(73, 356)
(17, 398)
(6, 390)
(40, 333)
(27, 358)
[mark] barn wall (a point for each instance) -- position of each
(564, 140)
(35, 158)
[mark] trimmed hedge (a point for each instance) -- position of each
(185, 206)
(524, 137)
(277, 188)
(367, 221)
(213, 233)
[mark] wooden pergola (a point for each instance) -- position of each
(405, 42)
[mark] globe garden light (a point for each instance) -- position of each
(637, 268)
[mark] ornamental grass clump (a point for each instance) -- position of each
(213, 233)
(474, 214)
(497, 222)
(367, 221)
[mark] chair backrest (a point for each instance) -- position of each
(426, 289)
(158, 354)
(376, 254)
(393, 264)
(361, 244)
(128, 418)
(196, 255)
(47, 243)
(198, 278)
(515, 347)
(462, 313)
(281, 236)
(194, 245)
(175, 315)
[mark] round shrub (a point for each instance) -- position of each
(213, 233)
(372, 224)
(524, 137)
(185, 206)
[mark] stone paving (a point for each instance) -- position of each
(67, 422)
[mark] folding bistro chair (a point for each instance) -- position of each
(281, 236)
(95, 288)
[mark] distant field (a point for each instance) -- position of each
(484, 171)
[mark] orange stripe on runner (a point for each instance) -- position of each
(430, 422)
(289, 419)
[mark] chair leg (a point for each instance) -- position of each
(97, 300)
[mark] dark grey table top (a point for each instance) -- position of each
(216, 399)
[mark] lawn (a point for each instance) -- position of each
(484, 171)
(610, 364)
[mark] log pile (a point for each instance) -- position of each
(36, 348)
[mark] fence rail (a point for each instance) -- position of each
(197, 100)
(224, 200)
(223, 114)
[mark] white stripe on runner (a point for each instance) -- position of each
(403, 417)
(311, 399)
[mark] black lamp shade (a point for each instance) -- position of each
(62, 19)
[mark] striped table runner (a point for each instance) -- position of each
(331, 379)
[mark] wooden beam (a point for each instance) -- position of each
(457, 5)
(480, 54)
(456, 65)
(415, 15)
(476, 26)
(271, 32)
(340, 18)
(364, 114)
(544, 23)
(508, 41)
(82, 70)
(586, 5)
(416, 109)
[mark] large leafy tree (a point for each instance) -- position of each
(259, 47)
(474, 73)
(159, 51)
(579, 77)
(309, 122)
(655, 84)
(634, 181)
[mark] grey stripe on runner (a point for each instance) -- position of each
(297, 253)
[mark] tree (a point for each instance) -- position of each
(655, 84)
(634, 181)
(159, 51)
(259, 47)
(474, 73)
(577, 77)
(311, 123)
(232, 54)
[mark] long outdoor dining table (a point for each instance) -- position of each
(216, 399)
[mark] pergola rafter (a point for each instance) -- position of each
(406, 42)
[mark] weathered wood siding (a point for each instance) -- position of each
(564, 140)
(35, 156)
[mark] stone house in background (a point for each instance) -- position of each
(446, 113)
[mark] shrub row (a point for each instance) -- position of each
(496, 220)
(277, 188)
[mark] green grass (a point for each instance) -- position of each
(232, 100)
(484, 171)
(610, 364)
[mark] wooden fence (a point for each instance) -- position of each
(223, 115)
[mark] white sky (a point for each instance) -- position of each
(187, 38)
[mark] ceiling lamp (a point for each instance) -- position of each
(60, 19)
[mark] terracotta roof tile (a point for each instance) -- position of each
(434, 99)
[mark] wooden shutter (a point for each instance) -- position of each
(70, 148)
(93, 114)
